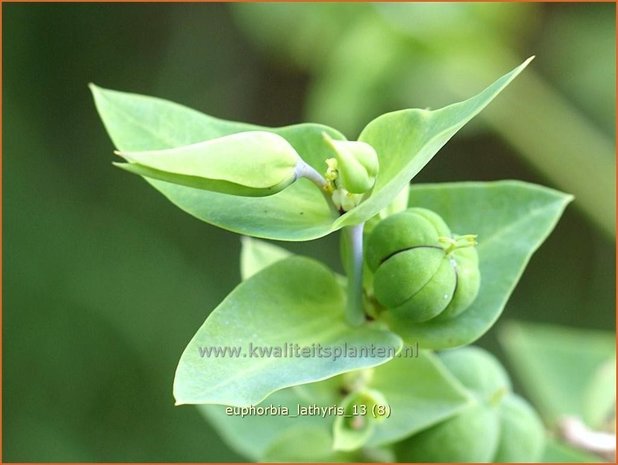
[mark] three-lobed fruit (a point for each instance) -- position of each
(421, 271)
(497, 426)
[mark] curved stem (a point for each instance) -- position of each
(304, 170)
(353, 235)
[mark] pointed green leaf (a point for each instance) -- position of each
(294, 301)
(511, 219)
(407, 140)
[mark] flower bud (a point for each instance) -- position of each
(357, 164)
(254, 163)
(522, 435)
(421, 271)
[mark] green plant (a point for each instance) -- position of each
(296, 338)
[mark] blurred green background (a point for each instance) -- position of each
(105, 281)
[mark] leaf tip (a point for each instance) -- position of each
(94, 89)
(122, 166)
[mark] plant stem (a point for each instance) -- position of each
(304, 170)
(353, 235)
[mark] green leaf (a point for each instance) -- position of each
(300, 212)
(256, 255)
(294, 301)
(600, 396)
(407, 140)
(556, 365)
(511, 219)
(420, 393)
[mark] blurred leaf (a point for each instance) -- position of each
(301, 24)
(591, 83)
(256, 255)
(139, 123)
(294, 301)
(511, 219)
(368, 61)
(556, 364)
(407, 140)
(600, 396)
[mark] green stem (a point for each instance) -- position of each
(353, 235)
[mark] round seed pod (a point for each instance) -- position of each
(471, 436)
(522, 435)
(421, 271)
(497, 425)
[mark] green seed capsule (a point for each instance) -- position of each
(421, 271)
(468, 281)
(498, 426)
(478, 370)
(471, 436)
(414, 227)
(521, 432)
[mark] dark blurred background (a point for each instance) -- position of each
(105, 281)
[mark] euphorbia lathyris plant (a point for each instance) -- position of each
(417, 282)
